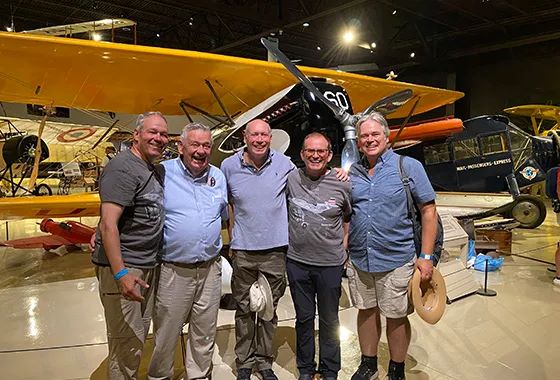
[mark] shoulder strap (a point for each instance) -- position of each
(406, 184)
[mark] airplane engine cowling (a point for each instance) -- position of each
(21, 149)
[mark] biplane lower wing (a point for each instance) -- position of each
(55, 206)
(115, 77)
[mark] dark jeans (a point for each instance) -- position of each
(324, 283)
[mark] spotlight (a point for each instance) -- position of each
(157, 35)
(394, 12)
(412, 55)
(305, 24)
(373, 45)
(318, 48)
(348, 37)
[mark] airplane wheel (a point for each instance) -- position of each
(42, 189)
(529, 211)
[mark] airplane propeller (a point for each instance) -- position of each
(37, 153)
(350, 153)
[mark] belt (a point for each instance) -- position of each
(198, 264)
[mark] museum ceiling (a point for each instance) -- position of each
(310, 31)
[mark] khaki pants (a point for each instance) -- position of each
(186, 293)
(254, 339)
(127, 321)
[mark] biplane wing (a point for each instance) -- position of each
(115, 77)
(55, 206)
(538, 113)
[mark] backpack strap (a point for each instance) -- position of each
(406, 184)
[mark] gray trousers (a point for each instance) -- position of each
(186, 294)
(254, 339)
(127, 321)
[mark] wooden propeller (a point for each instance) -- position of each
(37, 158)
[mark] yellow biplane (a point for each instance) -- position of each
(539, 114)
(112, 77)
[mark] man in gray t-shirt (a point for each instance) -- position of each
(128, 240)
(319, 209)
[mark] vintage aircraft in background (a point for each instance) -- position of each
(67, 151)
(69, 233)
(492, 155)
(133, 79)
(544, 118)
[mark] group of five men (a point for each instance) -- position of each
(158, 248)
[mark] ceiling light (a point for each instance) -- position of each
(373, 45)
(318, 48)
(96, 36)
(394, 12)
(305, 24)
(157, 35)
(348, 36)
(412, 55)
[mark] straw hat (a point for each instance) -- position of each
(428, 298)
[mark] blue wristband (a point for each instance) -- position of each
(120, 274)
(425, 256)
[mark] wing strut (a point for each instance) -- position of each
(405, 122)
(222, 106)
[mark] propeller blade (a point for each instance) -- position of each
(339, 112)
(37, 158)
(390, 103)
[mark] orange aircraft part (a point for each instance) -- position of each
(63, 233)
(74, 232)
(429, 130)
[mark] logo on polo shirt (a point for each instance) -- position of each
(211, 182)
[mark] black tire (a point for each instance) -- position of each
(42, 189)
(529, 211)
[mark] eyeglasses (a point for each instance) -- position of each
(320, 152)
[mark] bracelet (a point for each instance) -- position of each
(425, 256)
(120, 274)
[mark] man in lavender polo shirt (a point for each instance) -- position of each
(256, 178)
(381, 245)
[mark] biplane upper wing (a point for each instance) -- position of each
(546, 112)
(115, 77)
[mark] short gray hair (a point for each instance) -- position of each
(373, 116)
(143, 116)
(194, 127)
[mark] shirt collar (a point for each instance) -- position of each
(381, 159)
(203, 177)
(244, 163)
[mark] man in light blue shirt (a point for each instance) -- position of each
(195, 202)
(381, 245)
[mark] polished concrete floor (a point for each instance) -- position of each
(53, 327)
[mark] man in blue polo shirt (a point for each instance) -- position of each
(256, 178)
(195, 202)
(381, 245)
